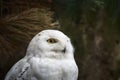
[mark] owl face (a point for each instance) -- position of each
(50, 42)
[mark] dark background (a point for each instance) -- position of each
(92, 25)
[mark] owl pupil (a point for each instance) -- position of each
(51, 41)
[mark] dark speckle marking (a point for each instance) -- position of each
(39, 34)
(67, 40)
(23, 79)
(16, 68)
(21, 74)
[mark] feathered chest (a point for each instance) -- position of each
(52, 69)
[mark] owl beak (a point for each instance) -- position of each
(64, 50)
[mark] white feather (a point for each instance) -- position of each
(46, 61)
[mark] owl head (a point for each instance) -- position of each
(50, 43)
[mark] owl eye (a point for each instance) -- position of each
(52, 40)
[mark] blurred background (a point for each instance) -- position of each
(92, 25)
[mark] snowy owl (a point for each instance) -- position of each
(49, 56)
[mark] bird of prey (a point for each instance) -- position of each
(49, 56)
